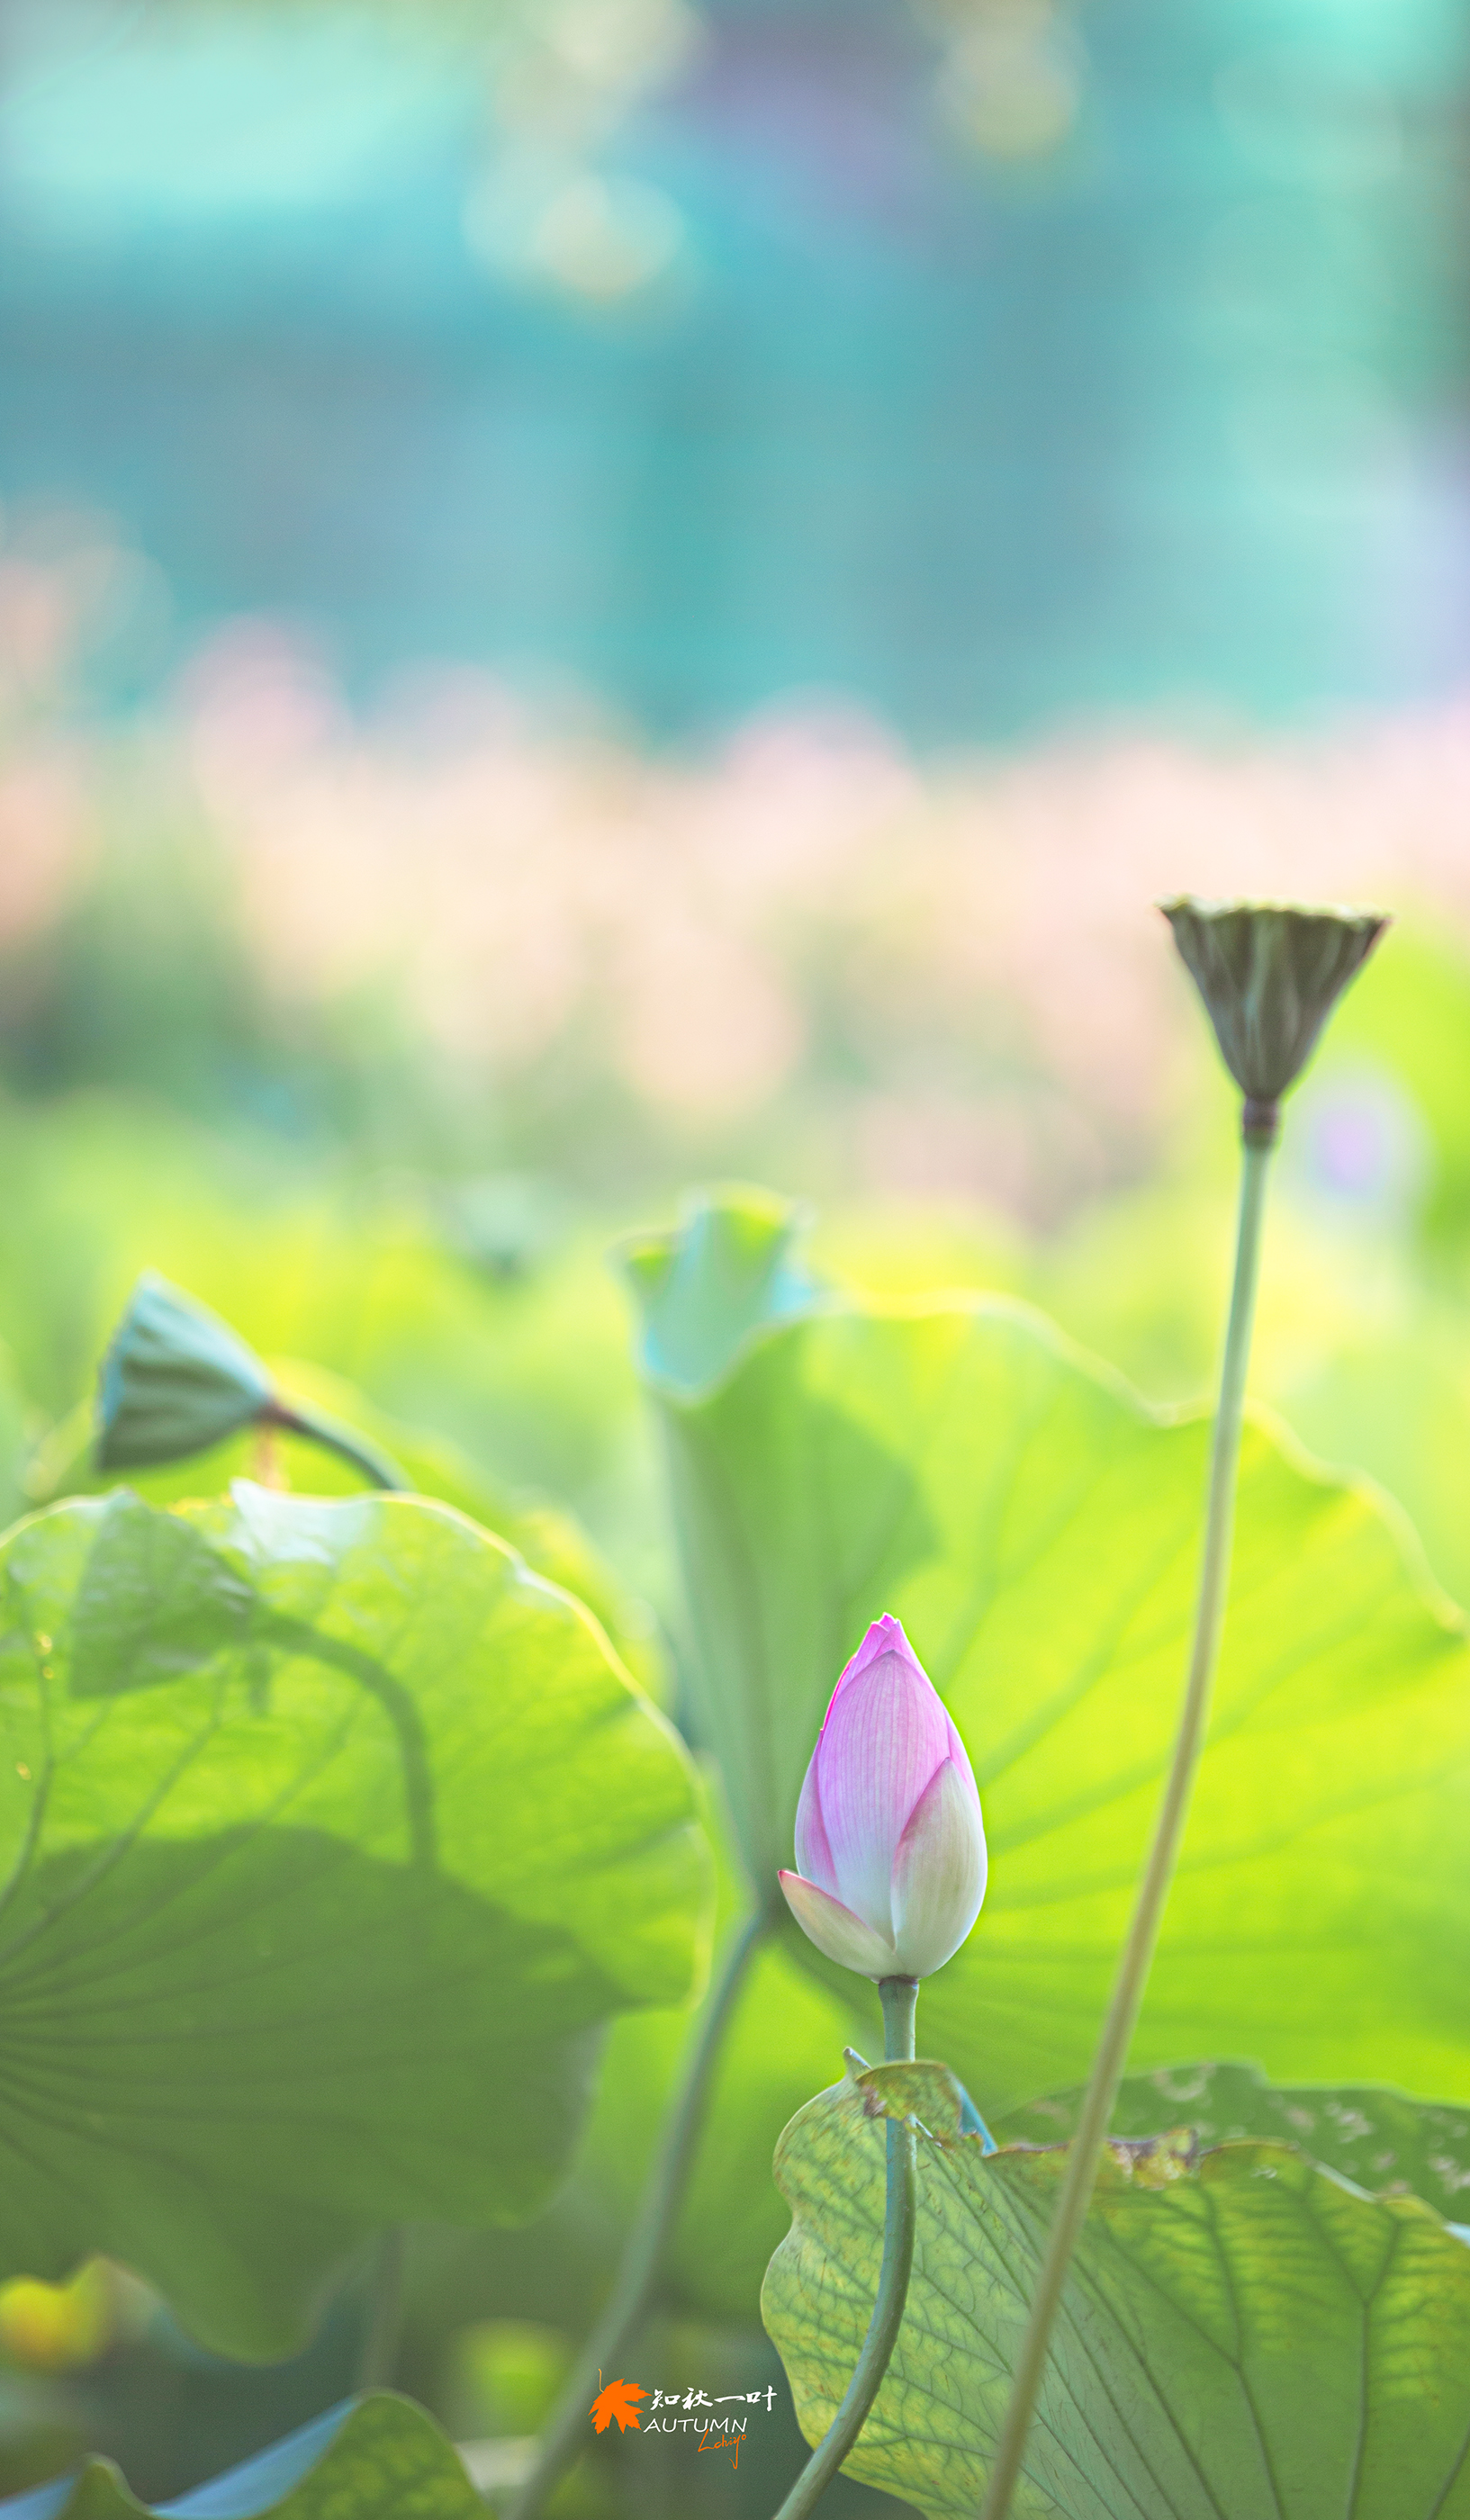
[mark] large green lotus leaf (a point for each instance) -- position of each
(328, 1837)
(1379, 2139)
(1036, 1527)
(375, 2459)
(1243, 2335)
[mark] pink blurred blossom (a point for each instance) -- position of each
(44, 845)
(954, 969)
(979, 935)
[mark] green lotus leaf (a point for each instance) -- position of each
(1037, 1529)
(329, 1837)
(730, 1269)
(375, 2459)
(1244, 2336)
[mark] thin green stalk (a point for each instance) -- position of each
(1153, 1891)
(382, 2323)
(900, 1996)
(376, 1466)
(379, 2352)
(646, 2242)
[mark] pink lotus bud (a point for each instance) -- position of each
(891, 1849)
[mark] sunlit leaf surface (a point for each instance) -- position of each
(1036, 1528)
(1244, 2337)
(327, 1838)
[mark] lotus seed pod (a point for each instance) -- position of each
(1271, 973)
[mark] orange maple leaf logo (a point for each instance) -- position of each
(618, 2399)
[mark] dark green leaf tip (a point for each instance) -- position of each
(1271, 973)
(176, 1380)
(1242, 2332)
(359, 1830)
(378, 2457)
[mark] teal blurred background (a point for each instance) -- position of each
(599, 594)
(985, 361)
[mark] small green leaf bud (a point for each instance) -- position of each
(1271, 973)
(726, 1274)
(174, 1381)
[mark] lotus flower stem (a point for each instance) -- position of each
(384, 2320)
(1128, 1993)
(383, 2326)
(899, 1996)
(643, 2252)
(375, 1466)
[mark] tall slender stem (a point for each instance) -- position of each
(374, 1465)
(900, 1996)
(383, 2310)
(1153, 1890)
(382, 2318)
(648, 2238)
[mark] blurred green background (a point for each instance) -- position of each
(609, 593)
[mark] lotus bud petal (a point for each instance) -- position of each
(1271, 973)
(176, 1380)
(891, 1849)
(834, 1930)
